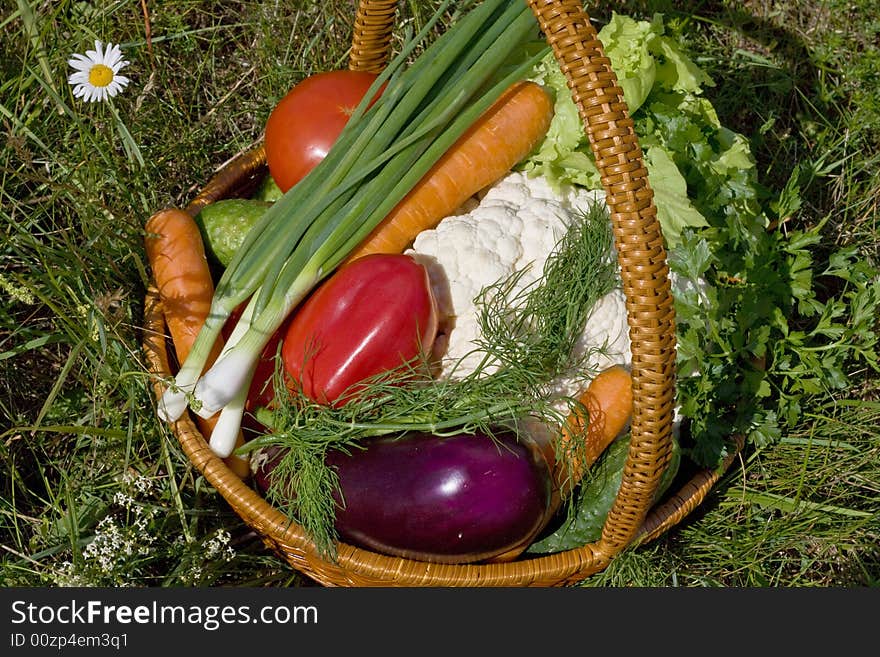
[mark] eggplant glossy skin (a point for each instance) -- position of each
(454, 499)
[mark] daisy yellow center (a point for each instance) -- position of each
(100, 75)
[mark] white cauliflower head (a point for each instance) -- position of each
(514, 228)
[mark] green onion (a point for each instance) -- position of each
(378, 158)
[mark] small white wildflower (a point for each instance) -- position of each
(218, 546)
(144, 485)
(123, 499)
(105, 546)
(141, 519)
(194, 574)
(66, 576)
(97, 73)
(135, 482)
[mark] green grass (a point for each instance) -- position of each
(96, 491)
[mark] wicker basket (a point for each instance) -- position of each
(644, 273)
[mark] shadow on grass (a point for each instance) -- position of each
(770, 90)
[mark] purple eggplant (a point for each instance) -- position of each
(453, 499)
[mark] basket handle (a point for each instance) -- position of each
(641, 256)
(371, 40)
(638, 238)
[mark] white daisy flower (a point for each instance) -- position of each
(97, 73)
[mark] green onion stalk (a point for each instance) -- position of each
(383, 151)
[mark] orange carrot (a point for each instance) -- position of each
(498, 140)
(176, 254)
(606, 408)
(608, 401)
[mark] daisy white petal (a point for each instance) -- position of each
(96, 73)
(113, 54)
(80, 62)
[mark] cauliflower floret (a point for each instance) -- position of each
(515, 227)
(509, 227)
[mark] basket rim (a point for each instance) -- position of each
(585, 560)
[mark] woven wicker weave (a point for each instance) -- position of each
(645, 276)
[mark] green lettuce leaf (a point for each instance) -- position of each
(628, 44)
(675, 70)
(564, 155)
(699, 171)
(675, 211)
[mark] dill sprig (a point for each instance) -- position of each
(533, 331)
(528, 335)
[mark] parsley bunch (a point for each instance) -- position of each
(765, 319)
(767, 322)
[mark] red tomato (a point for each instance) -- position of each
(307, 121)
(371, 316)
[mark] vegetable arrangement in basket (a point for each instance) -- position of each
(421, 340)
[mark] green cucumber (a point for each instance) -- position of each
(595, 498)
(268, 190)
(225, 223)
